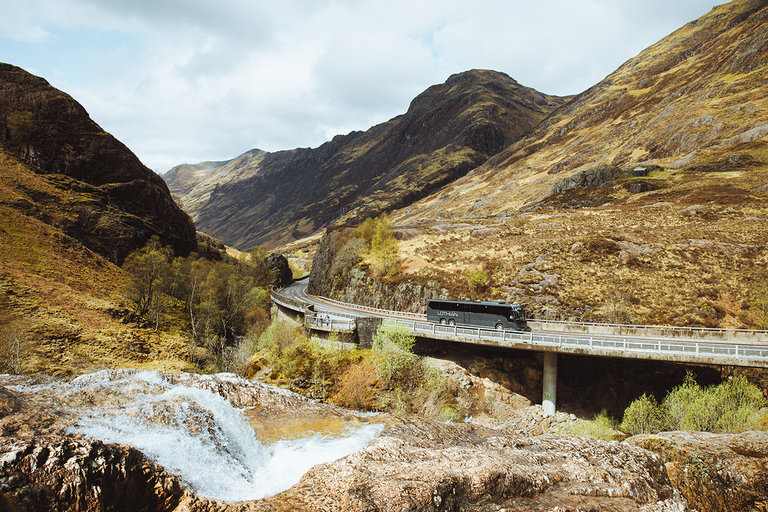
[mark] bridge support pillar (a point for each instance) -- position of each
(549, 382)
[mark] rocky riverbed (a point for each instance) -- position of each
(50, 461)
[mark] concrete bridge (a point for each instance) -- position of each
(720, 347)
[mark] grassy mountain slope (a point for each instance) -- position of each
(693, 102)
(449, 129)
(74, 202)
(642, 200)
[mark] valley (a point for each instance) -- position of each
(642, 200)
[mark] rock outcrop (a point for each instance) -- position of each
(353, 285)
(280, 268)
(714, 472)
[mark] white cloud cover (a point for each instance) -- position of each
(182, 81)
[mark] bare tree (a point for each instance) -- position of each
(14, 345)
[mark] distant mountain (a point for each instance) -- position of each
(273, 198)
(112, 203)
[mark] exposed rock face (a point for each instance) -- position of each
(116, 204)
(52, 473)
(355, 286)
(714, 471)
(279, 266)
(448, 130)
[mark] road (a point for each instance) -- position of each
(673, 348)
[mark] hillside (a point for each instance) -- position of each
(274, 198)
(642, 200)
(74, 202)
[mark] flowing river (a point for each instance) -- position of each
(219, 451)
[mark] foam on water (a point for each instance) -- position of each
(201, 437)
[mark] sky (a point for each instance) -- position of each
(187, 81)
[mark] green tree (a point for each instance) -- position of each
(149, 272)
(366, 230)
(385, 251)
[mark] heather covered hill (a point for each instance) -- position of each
(695, 103)
(116, 202)
(274, 198)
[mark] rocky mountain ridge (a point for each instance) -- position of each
(121, 203)
(694, 101)
(274, 198)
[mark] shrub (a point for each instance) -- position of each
(357, 387)
(601, 427)
(477, 279)
(643, 416)
(394, 347)
(350, 254)
(731, 406)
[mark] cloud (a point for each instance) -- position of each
(191, 80)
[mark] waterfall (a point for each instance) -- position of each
(201, 437)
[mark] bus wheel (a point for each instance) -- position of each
(451, 322)
(499, 327)
(442, 321)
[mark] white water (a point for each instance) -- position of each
(201, 437)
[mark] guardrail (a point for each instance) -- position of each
(692, 344)
(376, 311)
(329, 323)
(663, 348)
(652, 331)
(286, 302)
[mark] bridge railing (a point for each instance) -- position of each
(330, 323)
(740, 336)
(652, 331)
(287, 302)
(691, 350)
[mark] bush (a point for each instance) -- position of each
(731, 406)
(601, 427)
(350, 254)
(643, 416)
(357, 387)
(394, 347)
(477, 279)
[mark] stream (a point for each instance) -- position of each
(219, 451)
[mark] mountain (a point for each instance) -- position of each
(642, 200)
(273, 198)
(121, 203)
(694, 101)
(74, 201)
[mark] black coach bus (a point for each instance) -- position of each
(499, 315)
